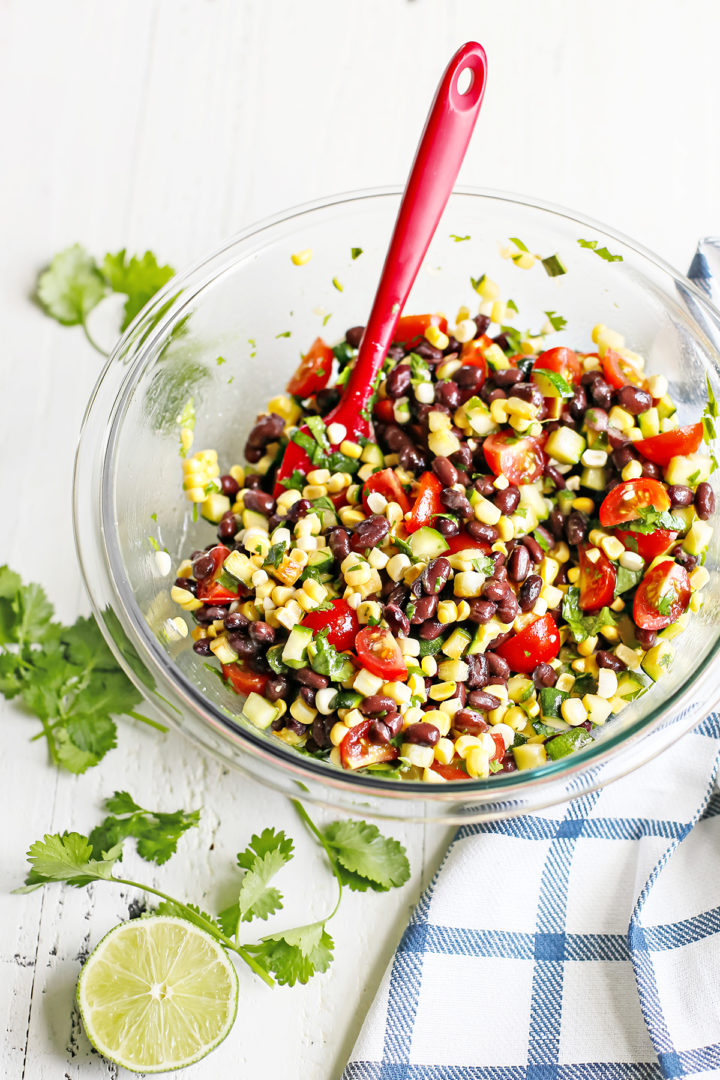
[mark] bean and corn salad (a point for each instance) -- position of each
(496, 575)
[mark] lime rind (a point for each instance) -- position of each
(157, 994)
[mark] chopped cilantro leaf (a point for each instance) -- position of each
(518, 243)
(295, 482)
(337, 284)
(458, 239)
(665, 604)
(355, 252)
(275, 555)
(556, 321)
(512, 306)
(602, 251)
(285, 333)
(583, 626)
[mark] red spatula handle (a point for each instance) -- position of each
(439, 156)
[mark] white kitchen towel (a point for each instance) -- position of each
(580, 943)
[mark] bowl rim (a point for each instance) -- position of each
(174, 297)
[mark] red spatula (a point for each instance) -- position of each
(439, 156)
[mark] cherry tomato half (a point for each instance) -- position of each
(662, 596)
(536, 644)
(520, 460)
(357, 750)
(597, 580)
(449, 772)
(564, 361)
(620, 372)
(472, 355)
(379, 652)
(385, 483)
(383, 409)
(499, 746)
(244, 681)
(342, 624)
(427, 503)
(313, 372)
(668, 444)
(464, 542)
(647, 545)
(411, 328)
(625, 501)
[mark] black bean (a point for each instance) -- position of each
(494, 395)
(425, 608)
(483, 533)
(379, 732)
(494, 590)
(448, 393)
(203, 567)
(480, 700)
(447, 526)
(519, 565)
(508, 500)
(680, 495)
(507, 377)
(622, 456)
(684, 558)
(227, 526)
(508, 608)
(353, 336)
(266, 430)
(262, 632)
(555, 475)
(393, 722)
(481, 611)
(209, 614)
(445, 471)
(307, 694)
(468, 377)
(435, 575)
(596, 420)
(243, 645)
(651, 470)
(398, 381)
(704, 501)
(422, 734)
(578, 403)
(469, 722)
(276, 687)
(528, 392)
(575, 528)
(320, 732)
(482, 322)
(646, 638)
(502, 341)
(376, 705)
(187, 584)
(326, 400)
(601, 393)
(308, 677)
(410, 458)
(427, 351)
(478, 671)
(431, 629)
(202, 646)
(556, 523)
(339, 543)
(544, 675)
(633, 400)
(484, 485)
(499, 668)
(229, 485)
(397, 621)
(529, 592)
(534, 550)
(463, 457)
(260, 501)
(369, 533)
(299, 509)
(456, 501)
(609, 660)
(235, 620)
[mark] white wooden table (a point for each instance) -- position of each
(168, 124)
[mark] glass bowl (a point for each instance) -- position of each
(229, 331)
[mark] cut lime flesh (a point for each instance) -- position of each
(157, 994)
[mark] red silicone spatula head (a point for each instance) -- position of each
(439, 156)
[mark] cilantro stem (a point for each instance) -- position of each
(312, 827)
(92, 340)
(210, 927)
(146, 720)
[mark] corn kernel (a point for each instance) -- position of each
(612, 547)
(337, 733)
(486, 512)
(447, 612)
(584, 505)
(300, 258)
(465, 743)
(588, 646)
(499, 411)
(565, 683)
(436, 337)
(444, 751)
(443, 443)
(477, 763)
(699, 578)
(632, 471)
(442, 691)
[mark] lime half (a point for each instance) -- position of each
(157, 994)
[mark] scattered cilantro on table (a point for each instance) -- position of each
(359, 855)
(74, 283)
(603, 252)
(65, 675)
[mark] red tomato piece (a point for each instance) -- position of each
(620, 372)
(499, 746)
(625, 501)
(207, 590)
(244, 681)
(411, 328)
(472, 355)
(647, 545)
(383, 409)
(597, 581)
(357, 751)
(564, 361)
(520, 460)
(536, 644)
(449, 772)
(342, 624)
(668, 444)
(385, 483)
(662, 596)
(463, 542)
(313, 372)
(379, 652)
(427, 503)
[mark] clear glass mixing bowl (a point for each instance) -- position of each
(236, 305)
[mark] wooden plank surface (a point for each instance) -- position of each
(170, 124)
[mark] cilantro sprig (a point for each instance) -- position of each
(65, 675)
(74, 283)
(709, 416)
(583, 626)
(359, 855)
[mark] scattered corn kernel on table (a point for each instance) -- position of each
(169, 126)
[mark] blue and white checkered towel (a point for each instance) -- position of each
(580, 943)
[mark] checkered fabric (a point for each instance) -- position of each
(580, 943)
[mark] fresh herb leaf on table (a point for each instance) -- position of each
(359, 856)
(156, 832)
(65, 675)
